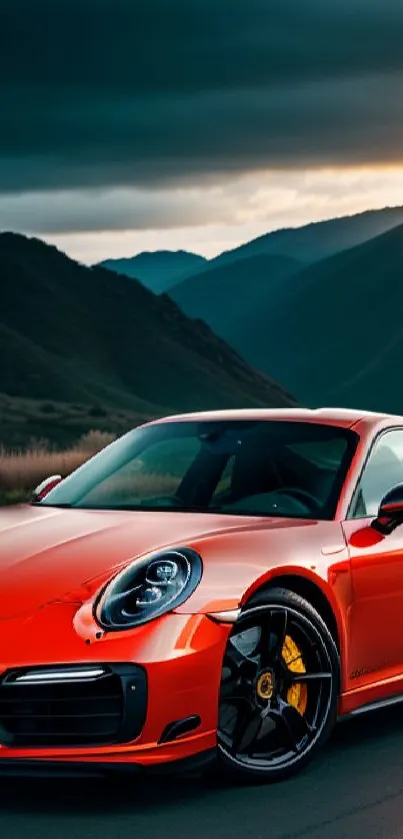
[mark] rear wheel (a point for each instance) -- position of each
(279, 688)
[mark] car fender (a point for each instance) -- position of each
(237, 566)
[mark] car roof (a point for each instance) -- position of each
(344, 417)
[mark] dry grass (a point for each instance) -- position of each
(21, 471)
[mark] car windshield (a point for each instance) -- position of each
(253, 468)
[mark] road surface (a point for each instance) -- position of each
(354, 790)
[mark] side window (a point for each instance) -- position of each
(383, 471)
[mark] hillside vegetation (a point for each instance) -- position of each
(95, 344)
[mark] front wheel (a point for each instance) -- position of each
(279, 688)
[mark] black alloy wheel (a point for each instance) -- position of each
(279, 688)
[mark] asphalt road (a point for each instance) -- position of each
(353, 790)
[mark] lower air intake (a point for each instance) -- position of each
(72, 706)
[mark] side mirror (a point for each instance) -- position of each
(43, 488)
(390, 513)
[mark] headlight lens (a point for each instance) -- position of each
(149, 588)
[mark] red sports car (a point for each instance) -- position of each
(210, 586)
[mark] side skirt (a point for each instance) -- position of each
(372, 706)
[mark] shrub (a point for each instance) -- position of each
(22, 471)
(14, 496)
(36, 444)
(95, 440)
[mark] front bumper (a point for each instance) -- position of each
(181, 659)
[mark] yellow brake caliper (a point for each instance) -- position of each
(297, 694)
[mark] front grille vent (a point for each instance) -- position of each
(72, 706)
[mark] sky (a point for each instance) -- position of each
(129, 125)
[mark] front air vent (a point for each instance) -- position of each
(72, 706)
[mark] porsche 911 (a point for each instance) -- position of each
(211, 588)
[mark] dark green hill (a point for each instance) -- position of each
(79, 335)
(157, 270)
(317, 240)
(335, 336)
(223, 295)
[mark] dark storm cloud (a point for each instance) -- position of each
(144, 92)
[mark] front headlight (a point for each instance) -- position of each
(149, 588)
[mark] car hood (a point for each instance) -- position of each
(48, 554)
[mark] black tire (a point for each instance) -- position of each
(305, 727)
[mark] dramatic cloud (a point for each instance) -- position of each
(144, 93)
(234, 212)
(266, 198)
(195, 123)
(113, 209)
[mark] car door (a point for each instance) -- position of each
(376, 615)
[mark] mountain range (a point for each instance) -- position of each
(158, 271)
(87, 347)
(316, 240)
(86, 336)
(163, 271)
(335, 334)
(317, 307)
(256, 274)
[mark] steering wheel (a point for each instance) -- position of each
(306, 496)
